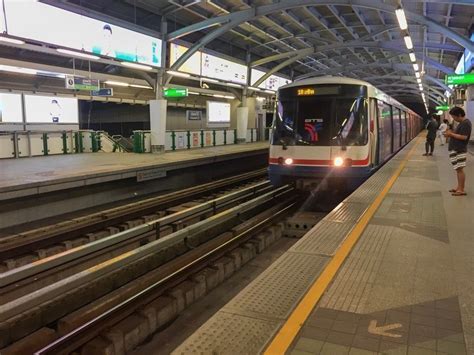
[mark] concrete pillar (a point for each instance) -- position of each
(158, 109)
(242, 123)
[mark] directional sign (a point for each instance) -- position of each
(175, 93)
(384, 329)
(442, 108)
(462, 79)
(103, 92)
(78, 83)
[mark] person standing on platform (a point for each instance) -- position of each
(458, 141)
(432, 128)
(442, 128)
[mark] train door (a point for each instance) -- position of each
(385, 130)
(404, 127)
(373, 129)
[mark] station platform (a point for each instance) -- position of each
(389, 271)
(30, 176)
(39, 188)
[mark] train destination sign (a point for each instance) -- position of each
(460, 79)
(175, 93)
(305, 92)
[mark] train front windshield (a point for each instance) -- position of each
(322, 115)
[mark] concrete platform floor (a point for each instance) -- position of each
(99, 167)
(408, 285)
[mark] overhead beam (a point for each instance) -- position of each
(411, 78)
(234, 19)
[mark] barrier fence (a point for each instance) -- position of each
(39, 143)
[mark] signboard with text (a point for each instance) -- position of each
(462, 79)
(78, 83)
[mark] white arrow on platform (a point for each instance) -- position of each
(383, 330)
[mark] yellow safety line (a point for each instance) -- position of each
(293, 324)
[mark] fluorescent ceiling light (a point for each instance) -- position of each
(253, 88)
(412, 56)
(18, 70)
(193, 93)
(229, 97)
(416, 67)
(417, 74)
(141, 86)
(408, 42)
(11, 40)
(402, 20)
(418, 80)
(217, 95)
(136, 66)
(77, 54)
(210, 80)
(234, 85)
(116, 83)
(177, 73)
(269, 91)
(421, 87)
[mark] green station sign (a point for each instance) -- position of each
(175, 93)
(442, 108)
(459, 79)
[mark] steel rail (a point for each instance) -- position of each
(16, 275)
(47, 293)
(15, 244)
(86, 332)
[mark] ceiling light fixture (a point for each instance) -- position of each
(412, 56)
(234, 85)
(11, 40)
(141, 86)
(136, 66)
(417, 74)
(402, 20)
(408, 42)
(177, 73)
(209, 80)
(77, 54)
(416, 67)
(116, 83)
(18, 70)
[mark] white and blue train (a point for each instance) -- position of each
(335, 130)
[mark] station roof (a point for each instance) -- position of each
(303, 38)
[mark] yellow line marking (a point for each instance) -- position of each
(283, 339)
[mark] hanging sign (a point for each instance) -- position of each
(78, 83)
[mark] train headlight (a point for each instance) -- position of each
(288, 161)
(338, 161)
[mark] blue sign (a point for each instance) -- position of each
(103, 92)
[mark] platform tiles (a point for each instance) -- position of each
(30, 176)
(405, 288)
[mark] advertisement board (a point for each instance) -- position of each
(218, 113)
(271, 83)
(10, 108)
(192, 65)
(51, 109)
(208, 65)
(45, 23)
(223, 69)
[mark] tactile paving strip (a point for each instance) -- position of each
(277, 290)
(346, 212)
(352, 286)
(324, 238)
(229, 334)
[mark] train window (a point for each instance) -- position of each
(404, 127)
(314, 120)
(351, 122)
(396, 128)
(385, 129)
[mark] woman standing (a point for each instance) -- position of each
(442, 128)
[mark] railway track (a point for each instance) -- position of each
(62, 294)
(30, 246)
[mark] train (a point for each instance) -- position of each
(335, 132)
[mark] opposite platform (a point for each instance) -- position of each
(31, 176)
(388, 271)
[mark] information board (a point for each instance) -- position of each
(34, 20)
(218, 113)
(10, 108)
(192, 65)
(274, 82)
(51, 109)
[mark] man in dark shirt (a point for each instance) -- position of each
(458, 147)
(432, 128)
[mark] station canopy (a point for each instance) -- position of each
(301, 38)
